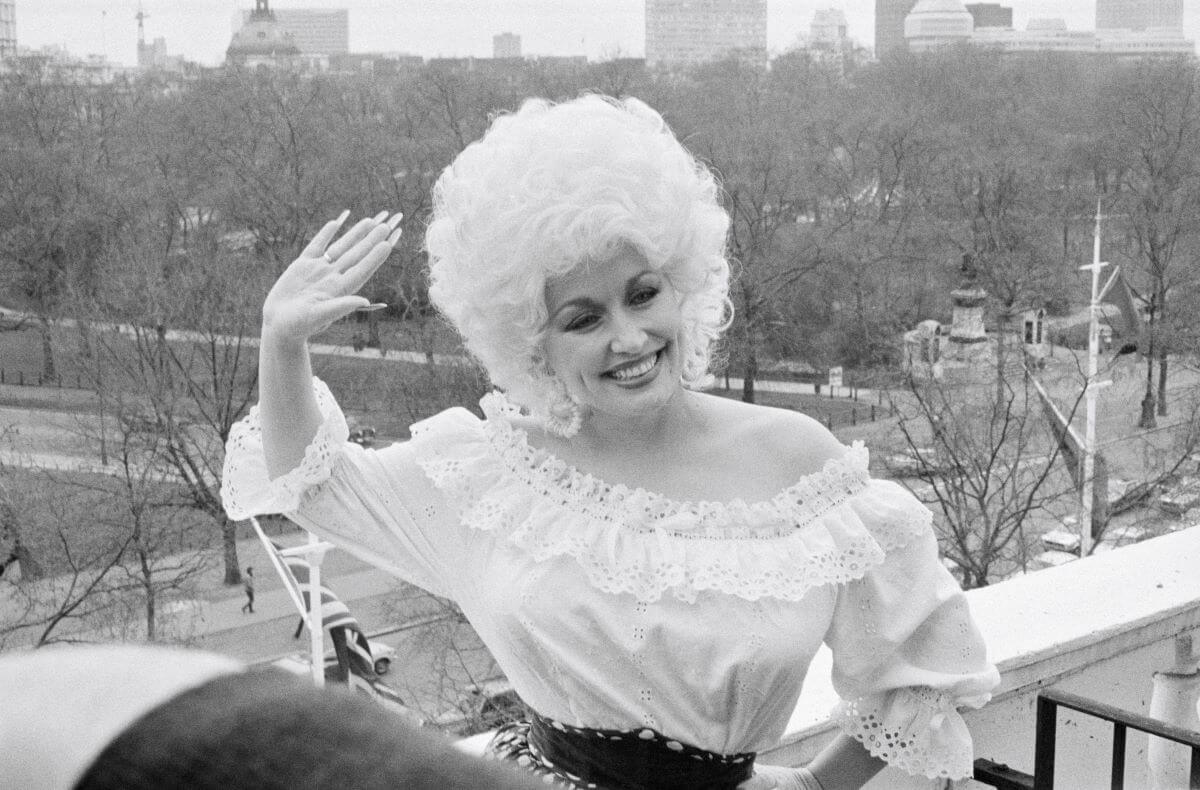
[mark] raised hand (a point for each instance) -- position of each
(321, 285)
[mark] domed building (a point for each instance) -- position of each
(261, 41)
(937, 23)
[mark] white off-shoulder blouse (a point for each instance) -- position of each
(616, 608)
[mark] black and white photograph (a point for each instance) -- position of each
(622, 394)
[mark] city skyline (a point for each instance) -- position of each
(447, 28)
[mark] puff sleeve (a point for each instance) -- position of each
(376, 504)
(906, 652)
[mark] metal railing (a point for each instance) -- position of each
(1049, 701)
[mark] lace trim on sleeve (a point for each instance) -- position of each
(918, 730)
(247, 489)
(634, 541)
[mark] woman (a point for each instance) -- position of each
(652, 567)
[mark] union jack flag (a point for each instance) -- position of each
(355, 664)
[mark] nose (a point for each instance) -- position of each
(628, 336)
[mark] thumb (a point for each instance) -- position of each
(333, 309)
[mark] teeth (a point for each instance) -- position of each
(637, 370)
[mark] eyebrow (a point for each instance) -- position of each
(587, 301)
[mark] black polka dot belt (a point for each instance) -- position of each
(639, 759)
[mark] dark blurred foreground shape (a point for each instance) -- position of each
(209, 724)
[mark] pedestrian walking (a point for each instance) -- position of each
(248, 583)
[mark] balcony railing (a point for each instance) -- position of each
(1004, 777)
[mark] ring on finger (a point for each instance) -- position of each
(325, 256)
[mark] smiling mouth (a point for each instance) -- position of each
(636, 369)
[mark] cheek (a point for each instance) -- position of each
(566, 353)
(668, 320)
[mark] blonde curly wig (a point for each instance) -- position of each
(549, 187)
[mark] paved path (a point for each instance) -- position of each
(267, 632)
(415, 357)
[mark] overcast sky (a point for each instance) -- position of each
(200, 29)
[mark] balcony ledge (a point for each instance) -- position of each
(1048, 627)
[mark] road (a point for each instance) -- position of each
(32, 431)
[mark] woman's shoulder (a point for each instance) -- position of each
(787, 437)
(456, 424)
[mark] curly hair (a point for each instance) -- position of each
(551, 186)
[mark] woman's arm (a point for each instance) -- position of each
(842, 765)
(845, 765)
(317, 289)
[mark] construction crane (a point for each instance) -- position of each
(141, 16)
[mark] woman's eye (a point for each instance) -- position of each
(643, 295)
(584, 321)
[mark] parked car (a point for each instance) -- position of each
(1181, 497)
(923, 462)
(381, 652)
(1052, 559)
(1061, 540)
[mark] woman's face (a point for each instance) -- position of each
(613, 335)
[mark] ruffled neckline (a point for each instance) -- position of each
(830, 527)
(639, 509)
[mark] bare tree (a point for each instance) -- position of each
(57, 190)
(166, 547)
(175, 336)
(1151, 162)
(987, 465)
(450, 678)
(754, 138)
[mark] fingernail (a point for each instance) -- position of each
(395, 220)
(342, 217)
(372, 307)
(381, 216)
(395, 236)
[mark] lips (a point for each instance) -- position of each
(636, 368)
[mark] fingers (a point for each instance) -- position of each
(356, 234)
(352, 256)
(358, 274)
(324, 235)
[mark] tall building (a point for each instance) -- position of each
(315, 31)
(506, 45)
(937, 23)
(990, 15)
(889, 26)
(1139, 14)
(829, 28)
(686, 32)
(8, 28)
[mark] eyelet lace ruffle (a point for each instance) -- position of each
(916, 729)
(628, 540)
(247, 489)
